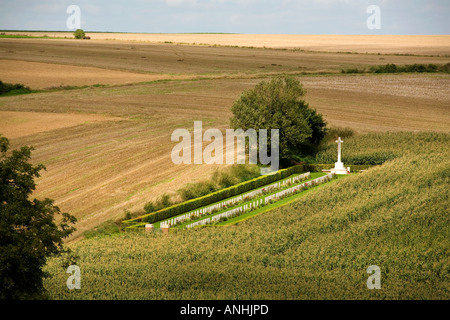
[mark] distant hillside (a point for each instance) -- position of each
(394, 216)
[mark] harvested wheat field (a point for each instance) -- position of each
(107, 148)
(18, 124)
(386, 44)
(38, 75)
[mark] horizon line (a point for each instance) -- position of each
(228, 33)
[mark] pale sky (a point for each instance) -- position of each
(231, 16)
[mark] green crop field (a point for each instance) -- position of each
(319, 246)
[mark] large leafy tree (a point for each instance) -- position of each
(28, 232)
(279, 104)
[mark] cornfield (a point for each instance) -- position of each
(394, 216)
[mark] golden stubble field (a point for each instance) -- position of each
(107, 149)
(38, 75)
(404, 44)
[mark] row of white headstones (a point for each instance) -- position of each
(248, 196)
(256, 204)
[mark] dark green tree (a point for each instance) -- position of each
(279, 104)
(79, 34)
(28, 232)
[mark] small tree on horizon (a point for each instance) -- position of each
(79, 34)
(279, 104)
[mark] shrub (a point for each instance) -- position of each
(227, 180)
(106, 228)
(221, 179)
(245, 172)
(392, 68)
(353, 70)
(444, 68)
(195, 190)
(304, 159)
(12, 89)
(164, 201)
(127, 214)
(149, 207)
(389, 68)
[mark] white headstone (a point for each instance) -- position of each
(148, 227)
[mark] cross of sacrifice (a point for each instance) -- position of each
(339, 142)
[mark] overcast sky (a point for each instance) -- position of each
(231, 16)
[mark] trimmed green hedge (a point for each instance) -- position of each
(232, 191)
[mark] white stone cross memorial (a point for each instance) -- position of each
(339, 166)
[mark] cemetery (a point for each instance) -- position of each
(244, 202)
(239, 205)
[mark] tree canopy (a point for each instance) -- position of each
(279, 104)
(28, 232)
